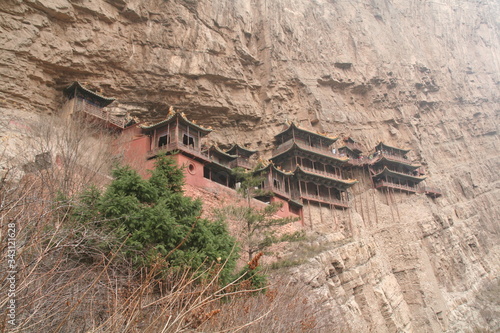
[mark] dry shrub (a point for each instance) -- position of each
(284, 307)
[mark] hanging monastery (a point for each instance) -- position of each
(306, 168)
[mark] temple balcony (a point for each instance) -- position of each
(276, 190)
(82, 105)
(322, 173)
(241, 162)
(400, 187)
(304, 145)
(324, 200)
(179, 146)
(357, 161)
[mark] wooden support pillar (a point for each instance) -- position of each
(361, 207)
(397, 209)
(287, 182)
(169, 135)
(375, 208)
(177, 129)
(270, 178)
(321, 213)
(154, 141)
(310, 215)
(350, 222)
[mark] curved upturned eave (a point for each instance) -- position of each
(237, 146)
(182, 118)
(77, 85)
(347, 182)
(271, 165)
(387, 171)
(295, 145)
(217, 150)
(328, 139)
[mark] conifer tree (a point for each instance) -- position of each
(258, 225)
(156, 218)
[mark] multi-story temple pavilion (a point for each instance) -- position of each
(317, 170)
(82, 100)
(353, 150)
(243, 156)
(391, 169)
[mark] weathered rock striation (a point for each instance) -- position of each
(419, 74)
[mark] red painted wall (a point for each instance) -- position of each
(133, 146)
(193, 171)
(284, 211)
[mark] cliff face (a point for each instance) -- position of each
(418, 74)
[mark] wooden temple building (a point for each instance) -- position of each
(304, 167)
(280, 186)
(243, 157)
(218, 169)
(317, 170)
(352, 150)
(80, 100)
(391, 169)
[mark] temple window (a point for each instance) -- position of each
(188, 140)
(163, 140)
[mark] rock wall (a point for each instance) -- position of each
(414, 73)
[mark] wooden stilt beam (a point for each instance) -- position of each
(310, 215)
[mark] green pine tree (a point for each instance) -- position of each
(259, 225)
(156, 219)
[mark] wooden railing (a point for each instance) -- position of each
(320, 150)
(82, 105)
(427, 190)
(323, 173)
(240, 162)
(277, 190)
(357, 161)
(402, 187)
(178, 146)
(320, 198)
